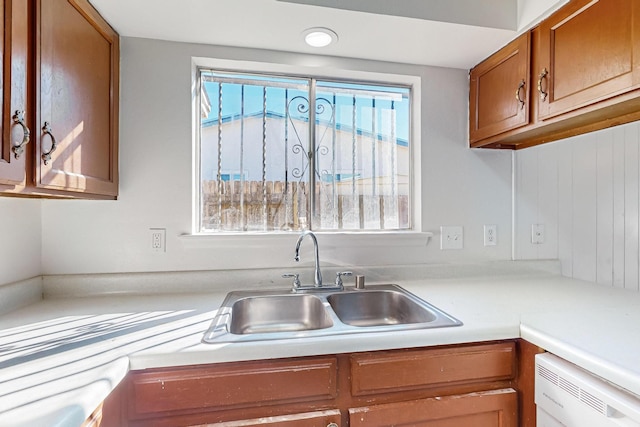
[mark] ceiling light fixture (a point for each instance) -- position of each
(319, 36)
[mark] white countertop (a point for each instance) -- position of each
(60, 357)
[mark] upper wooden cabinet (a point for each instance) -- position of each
(584, 74)
(71, 105)
(589, 51)
(499, 91)
(76, 98)
(14, 134)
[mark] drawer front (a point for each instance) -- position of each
(234, 385)
(416, 369)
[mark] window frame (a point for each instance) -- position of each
(411, 82)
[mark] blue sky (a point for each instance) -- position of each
(276, 102)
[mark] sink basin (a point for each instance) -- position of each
(278, 313)
(380, 307)
(269, 315)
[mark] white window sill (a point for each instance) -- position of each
(325, 239)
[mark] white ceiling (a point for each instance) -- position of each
(447, 33)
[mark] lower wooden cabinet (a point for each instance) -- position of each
(497, 408)
(461, 385)
(309, 419)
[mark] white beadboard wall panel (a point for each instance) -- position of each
(631, 207)
(536, 169)
(564, 209)
(604, 208)
(586, 191)
(618, 207)
(526, 170)
(548, 200)
(584, 208)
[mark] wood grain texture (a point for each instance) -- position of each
(280, 390)
(77, 71)
(309, 419)
(525, 383)
(493, 107)
(399, 371)
(485, 409)
(234, 386)
(587, 47)
(591, 52)
(13, 85)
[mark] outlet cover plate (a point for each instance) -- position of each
(158, 238)
(537, 234)
(490, 235)
(451, 237)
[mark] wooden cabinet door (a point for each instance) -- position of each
(589, 51)
(77, 69)
(13, 83)
(499, 91)
(329, 418)
(496, 408)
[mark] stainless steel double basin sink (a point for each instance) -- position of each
(269, 315)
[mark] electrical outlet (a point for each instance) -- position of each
(158, 239)
(490, 235)
(537, 234)
(451, 237)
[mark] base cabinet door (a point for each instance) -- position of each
(497, 408)
(329, 418)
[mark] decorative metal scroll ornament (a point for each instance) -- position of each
(298, 107)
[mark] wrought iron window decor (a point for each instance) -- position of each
(270, 161)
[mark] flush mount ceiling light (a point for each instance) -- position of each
(319, 36)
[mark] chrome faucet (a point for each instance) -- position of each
(317, 286)
(317, 273)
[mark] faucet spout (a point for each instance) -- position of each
(317, 273)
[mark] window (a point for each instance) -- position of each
(263, 148)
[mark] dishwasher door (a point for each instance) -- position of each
(567, 396)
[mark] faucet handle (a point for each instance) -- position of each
(296, 279)
(339, 276)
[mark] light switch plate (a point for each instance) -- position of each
(451, 237)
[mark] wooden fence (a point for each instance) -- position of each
(276, 205)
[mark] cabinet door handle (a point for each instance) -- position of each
(332, 425)
(18, 118)
(542, 76)
(520, 100)
(46, 129)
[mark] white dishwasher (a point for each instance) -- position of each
(567, 396)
